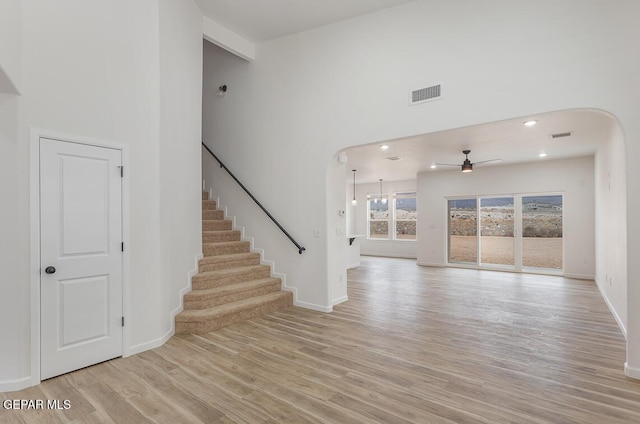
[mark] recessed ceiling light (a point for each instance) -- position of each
(530, 123)
(384, 146)
(434, 166)
(542, 155)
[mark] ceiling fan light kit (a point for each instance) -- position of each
(467, 165)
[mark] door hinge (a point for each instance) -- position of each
(123, 321)
(122, 247)
(121, 171)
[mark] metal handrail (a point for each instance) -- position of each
(222, 165)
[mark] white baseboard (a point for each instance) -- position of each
(612, 310)
(15, 385)
(632, 372)
(580, 276)
(152, 344)
(433, 264)
(312, 306)
(389, 255)
(340, 300)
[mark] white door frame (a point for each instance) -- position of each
(34, 226)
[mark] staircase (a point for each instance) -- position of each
(231, 284)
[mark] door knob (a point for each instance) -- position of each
(50, 270)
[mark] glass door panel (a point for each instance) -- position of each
(463, 230)
(542, 231)
(497, 243)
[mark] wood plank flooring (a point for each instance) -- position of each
(412, 345)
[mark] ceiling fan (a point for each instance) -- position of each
(467, 165)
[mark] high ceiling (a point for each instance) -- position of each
(510, 140)
(263, 20)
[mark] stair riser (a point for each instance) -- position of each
(219, 225)
(195, 302)
(225, 249)
(209, 205)
(216, 281)
(204, 267)
(215, 237)
(212, 214)
(205, 196)
(217, 322)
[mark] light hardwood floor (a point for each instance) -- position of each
(412, 345)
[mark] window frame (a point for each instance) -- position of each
(392, 215)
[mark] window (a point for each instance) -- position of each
(399, 215)
(378, 217)
(406, 216)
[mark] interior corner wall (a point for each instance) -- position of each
(179, 152)
(574, 178)
(611, 224)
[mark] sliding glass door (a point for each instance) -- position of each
(542, 231)
(497, 242)
(463, 230)
(518, 232)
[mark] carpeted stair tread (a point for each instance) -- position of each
(220, 235)
(202, 299)
(207, 320)
(225, 247)
(209, 204)
(212, 263)
(205, 195)
(221, 277)
(212, 214)
(230, 271)
(216, 224)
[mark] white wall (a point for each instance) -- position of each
(358, 220)
(611, 224)
(309, 95)
(103, 70)
(180, 150)
(9, 45)
(572, 177)
(14, 281)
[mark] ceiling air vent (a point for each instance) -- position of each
(560, 135)
(426, 94)
(394, 158)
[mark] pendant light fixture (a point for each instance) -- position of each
(354, 202)
(382, 199)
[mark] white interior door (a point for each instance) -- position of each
(81, 255)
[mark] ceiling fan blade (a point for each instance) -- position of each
(447, 164)
(487, 161)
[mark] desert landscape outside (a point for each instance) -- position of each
(541, 231)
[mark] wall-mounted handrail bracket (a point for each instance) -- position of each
(300, 248)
